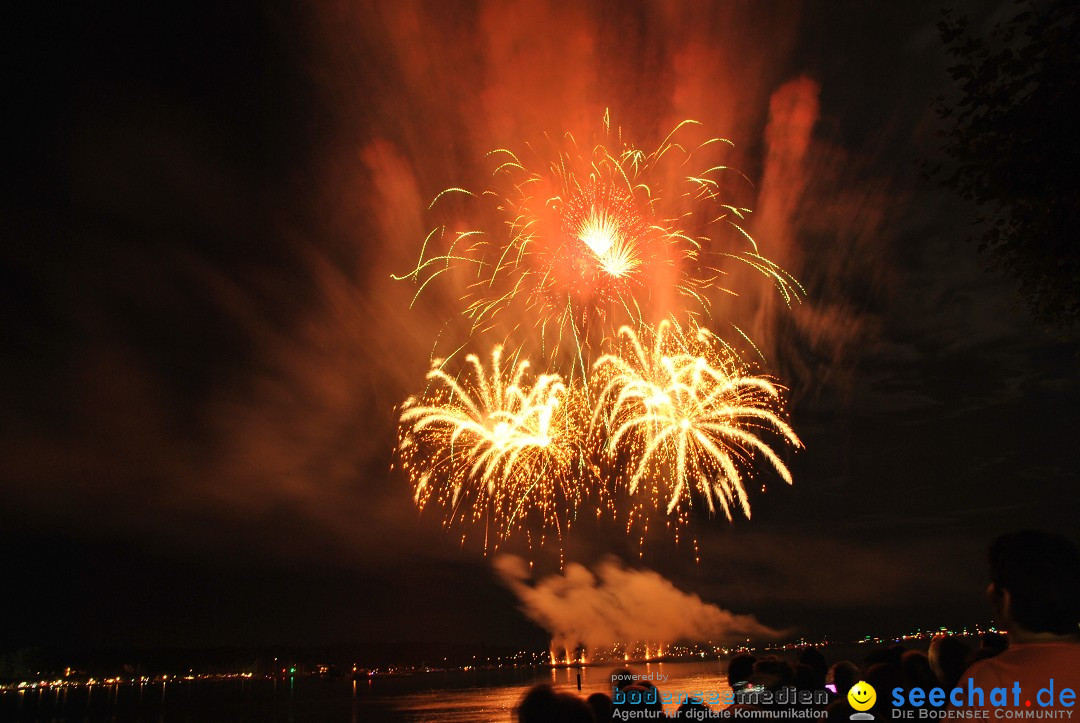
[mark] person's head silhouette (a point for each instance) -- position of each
(1035, 585)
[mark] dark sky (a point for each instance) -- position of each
(203, 348)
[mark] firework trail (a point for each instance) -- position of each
(572, 240)
(494, 449)
(679, 411)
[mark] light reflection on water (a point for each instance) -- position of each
(438, 697)
(497, 703)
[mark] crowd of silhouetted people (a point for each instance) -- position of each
(1035, 596)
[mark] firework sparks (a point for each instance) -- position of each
(576, 250)
(581, 239)
(686, 416)
(494, 448)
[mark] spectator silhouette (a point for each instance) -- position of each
(813, 658)
(739, 670)
(809, 682)
(991, 644)
(915, 671)
(890, 656)
(844, 674)
(601, 706)
(543, 705)
(883, 677)
(1035, 595)
(949, 656)
(772, 673)
(621, 677)
(806, 678)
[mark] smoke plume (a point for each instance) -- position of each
(239, 361)
(616, 604)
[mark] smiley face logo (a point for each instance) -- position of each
(862, 696)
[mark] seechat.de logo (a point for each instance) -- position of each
(862, 697)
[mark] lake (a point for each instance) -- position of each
(442, 697)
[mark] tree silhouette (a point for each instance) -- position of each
(1013, 143)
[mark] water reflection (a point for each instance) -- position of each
(443, 697)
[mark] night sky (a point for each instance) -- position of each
(203, 348)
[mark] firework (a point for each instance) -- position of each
(494, 448)
(574, 250)
(679, 409)
(571, 240)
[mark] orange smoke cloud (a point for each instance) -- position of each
(615, 604)
(407, 99)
